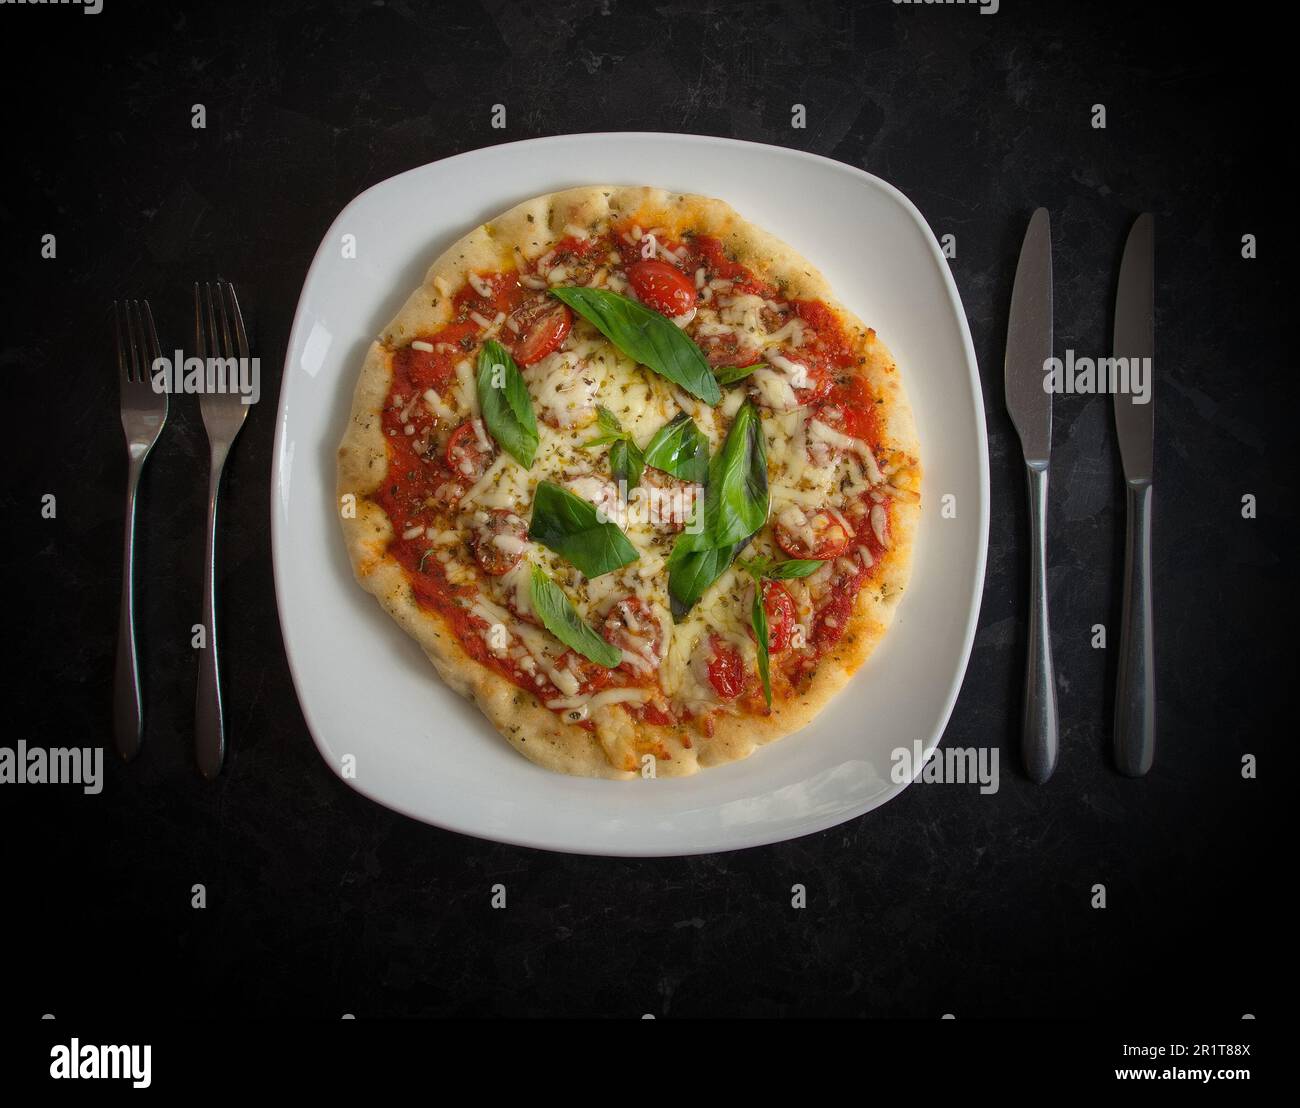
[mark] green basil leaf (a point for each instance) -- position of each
(608, 422)
(601, 440)
(680, 448)
(735, 507)
(626, 463)
(506, 406)
(735, 498)
(758, 616)
(794, 567)
(691, 572)
(561, 619)
(730, 374)
(625, 458)
(645, 336)
(569, 525)
(738, 481)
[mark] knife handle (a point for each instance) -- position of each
(1039, 731)
(1135, 697)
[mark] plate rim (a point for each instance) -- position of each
(757, 836)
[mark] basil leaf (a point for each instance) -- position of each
(758, 616)
(691, 572)
(738, 481)
(794, 567)
(569, 525)
(603, 440)
(506, 406)
(625, 458)
(735, 507)
(561, 619)
(680, 448)
(730, 374)
(626, 463)
(608, 422)
(736, 497)
(646, 336)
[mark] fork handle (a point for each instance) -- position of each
(128, 710)
(209, 723)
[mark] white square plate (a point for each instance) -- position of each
(367, 690)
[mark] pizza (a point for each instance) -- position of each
(633, 479)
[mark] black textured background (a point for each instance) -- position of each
(321, 902)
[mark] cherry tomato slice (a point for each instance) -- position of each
(467, 457)
(499, 541)
(781, 616)
(543, 324)
(726, 670)
(829, 537)
(663, 287)
(631, 626)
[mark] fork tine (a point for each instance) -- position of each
(214, 338)
(122, 370)
(200, 347)
(227, 346)
(151, 344)
(151, 335)
(142, 341)
(241, 336)
(132, 346)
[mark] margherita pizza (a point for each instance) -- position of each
(633, 479)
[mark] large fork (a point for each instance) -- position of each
(144, 411)
(216, 312)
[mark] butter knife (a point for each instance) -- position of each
(1029, 345)
(1135, 698)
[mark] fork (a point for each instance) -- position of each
(144, 411)
(216, 309)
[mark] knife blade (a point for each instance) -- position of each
(1029, 345)
(1029, 341)
(1135, 338)
(1135, 725)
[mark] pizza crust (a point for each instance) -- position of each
(616, 747)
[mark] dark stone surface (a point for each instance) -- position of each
(944, 900)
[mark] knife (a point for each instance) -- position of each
(1029, 345)
(1135, 699)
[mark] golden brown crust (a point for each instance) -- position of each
(614, 751)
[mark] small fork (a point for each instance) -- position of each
(216, 310)
(144, 411)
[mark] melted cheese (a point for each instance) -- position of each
(505, 484)
(774, 389)
(466, 388)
